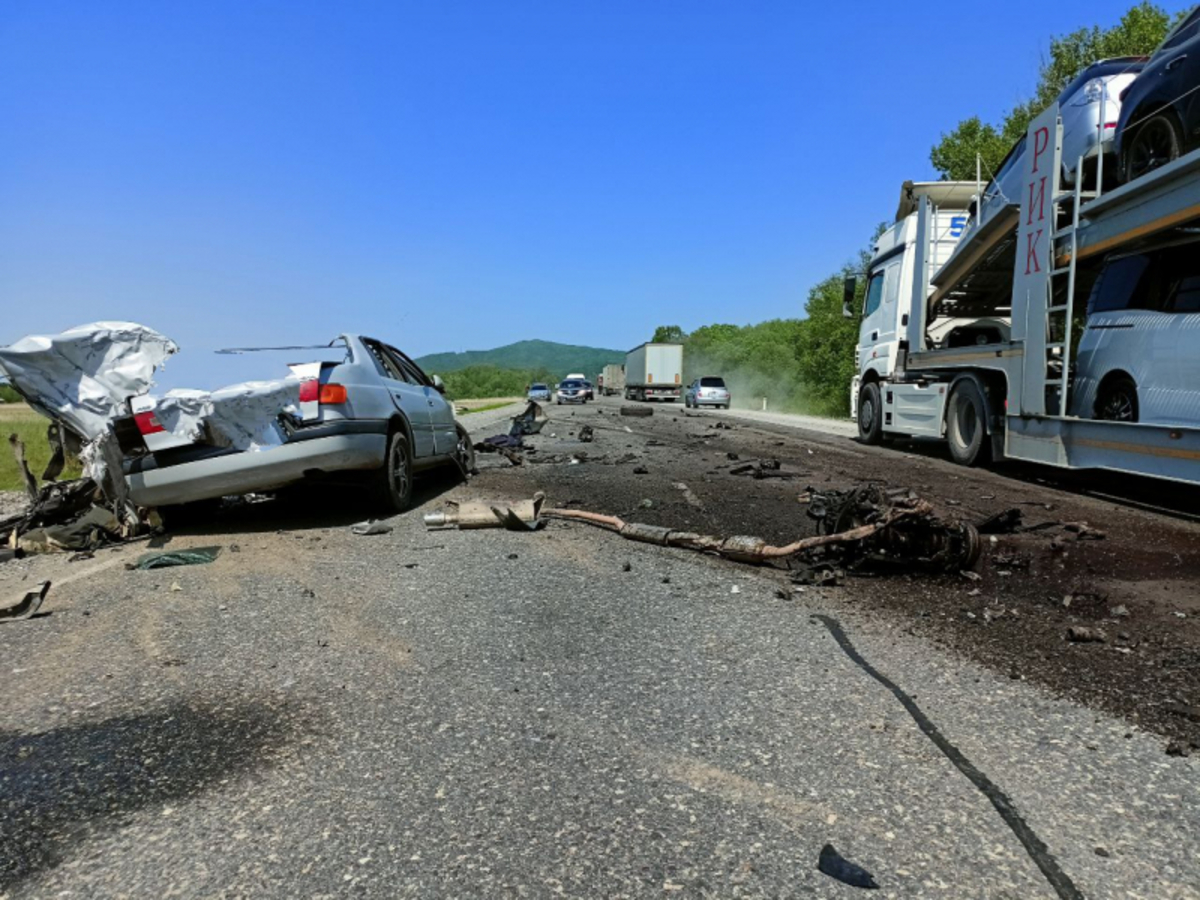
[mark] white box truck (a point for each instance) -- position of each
(613, 379)
(1063, 330)
(654, 372)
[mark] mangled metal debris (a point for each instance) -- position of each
(27, 606)
(763, 468)
(512, 445)
(834, 865)
(859, 526)
(73, 515)
(531, 421)
(523, 515)
(371, 527)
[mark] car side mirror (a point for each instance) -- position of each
(849, 286)
(438, 384)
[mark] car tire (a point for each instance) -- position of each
(392, 483)
(870, 414)
(1117, 400)
(464, 450)
(966, 425)
(1155, 143)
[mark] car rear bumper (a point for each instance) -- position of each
(262, 470)
(711, 401)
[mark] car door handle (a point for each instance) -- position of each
(1175, 62)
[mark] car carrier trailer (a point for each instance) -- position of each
(1009, 394)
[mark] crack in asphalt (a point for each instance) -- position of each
(1034, 845)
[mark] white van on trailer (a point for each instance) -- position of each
(654, 372)
(1042, 393)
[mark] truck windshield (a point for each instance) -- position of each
(874, 294)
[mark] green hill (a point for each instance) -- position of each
(559, 359)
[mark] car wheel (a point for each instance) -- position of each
(464, 451)
(1155, 144)
(1118, 401)
(870, 414)
(966, 425)
(393, 481)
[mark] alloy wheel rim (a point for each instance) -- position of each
(1152, 149)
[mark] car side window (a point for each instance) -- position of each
(1119, 285)
(1184, 277)
(384, 361)
(874, 294)
(1186, 31)
(411, 370)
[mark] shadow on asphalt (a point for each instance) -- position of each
(305, 507)
(1154, 494)
(62, 785)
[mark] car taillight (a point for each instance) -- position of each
(312, 391)
(332, 394)
(147, 423)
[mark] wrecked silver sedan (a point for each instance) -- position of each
(363, 406)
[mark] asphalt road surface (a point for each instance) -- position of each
(565, 713)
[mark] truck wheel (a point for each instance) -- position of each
(392, 483)
(870, 414)
(966, 425)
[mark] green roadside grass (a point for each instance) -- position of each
(30, 428)
(486, 407)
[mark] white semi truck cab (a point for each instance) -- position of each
(1063, 329)
(892, 283)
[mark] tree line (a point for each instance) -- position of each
(805, 365)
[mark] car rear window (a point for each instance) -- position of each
(538, 387)
(712, 382)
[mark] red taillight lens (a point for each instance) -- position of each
(310, 390)
(332, 394)
(148, 423)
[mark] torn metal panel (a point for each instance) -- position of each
(84, 376)
(27, 606)
(242, 416)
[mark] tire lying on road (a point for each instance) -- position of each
(641, 411)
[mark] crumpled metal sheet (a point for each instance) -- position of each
(242, 416)
(84, 376)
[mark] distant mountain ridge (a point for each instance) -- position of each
(560, 359)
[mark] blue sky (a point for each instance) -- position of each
(461, 175)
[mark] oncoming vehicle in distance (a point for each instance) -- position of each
(539, 393)
(365, 408)
(591, 390)
(571, 391)
(707, 391)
